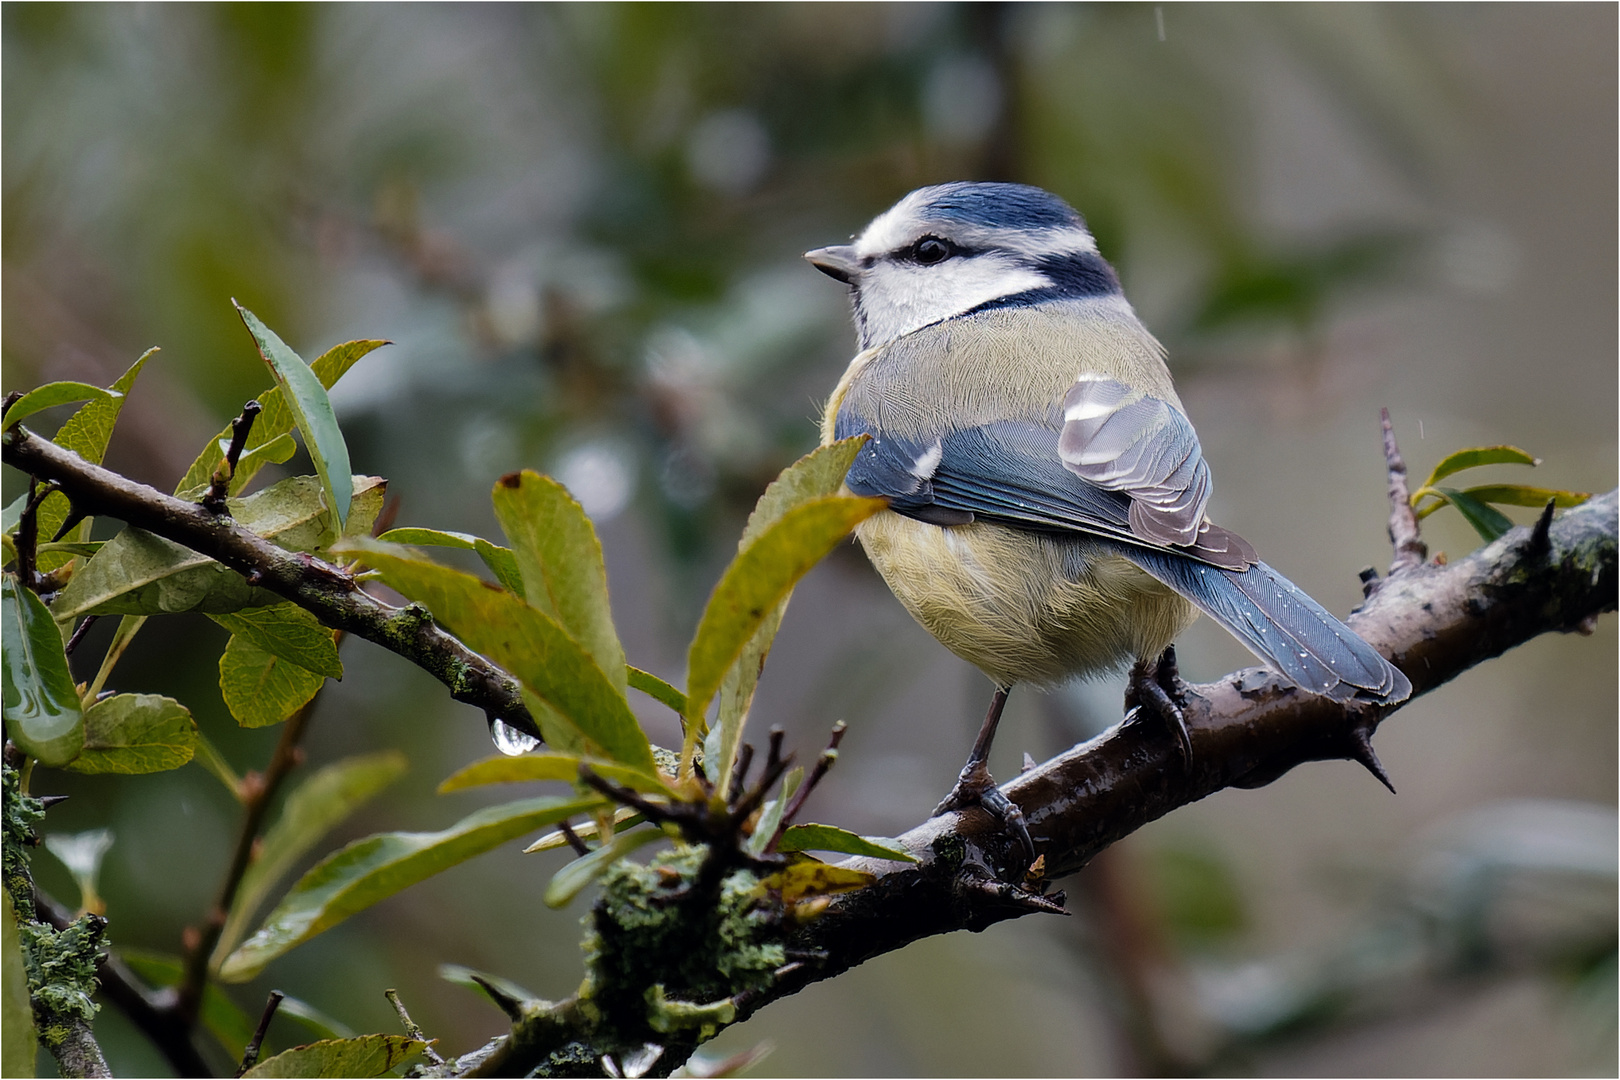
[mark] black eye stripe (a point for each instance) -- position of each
(928, 251)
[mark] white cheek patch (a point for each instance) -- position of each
(898, 298)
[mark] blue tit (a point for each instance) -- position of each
(1047, 493)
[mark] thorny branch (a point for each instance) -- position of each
(1434, 621)
(1248, 729)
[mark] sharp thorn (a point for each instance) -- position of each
(49, 801)
(511, 1006)
(1540, 535)
(75, 515)
(1362, 752)
(1029, 763)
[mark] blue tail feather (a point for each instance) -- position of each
(1281, 625)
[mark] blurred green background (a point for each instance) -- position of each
(580, 226)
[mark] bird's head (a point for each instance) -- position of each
(957, 248)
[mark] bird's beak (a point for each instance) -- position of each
(836, 262)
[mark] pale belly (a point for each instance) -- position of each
(1022, 606)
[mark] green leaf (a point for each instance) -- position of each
(209, 757)
(313, 809)
(572, 879)
(82, 854)
(290, 632)
(13, 514)
(278, 451)
(260, 689)
(817, 475)
(274, 422)
(1478, 455)
(42, 712)
(810, 878)
(303, 393)
(578, 708)
(293, 512)
(219, 1014)
(87, 433)
(1523, 495)
(323, 1025)
(498, 559)
(128, 627)
(560, 559)
(137, 573)
(69, 547)
(19, 1043)
(1489, 522)
(501, 769)
(811, 837)
(770, 815)
(758, 579)
(368, 1055)
(655, 688)
(49, 396)
(377, 867)
(135, 733)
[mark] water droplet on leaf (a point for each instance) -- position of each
(509, 740)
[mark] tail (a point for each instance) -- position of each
(1281, 625)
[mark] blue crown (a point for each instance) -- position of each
(998, 206)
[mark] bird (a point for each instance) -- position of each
(1047, 495)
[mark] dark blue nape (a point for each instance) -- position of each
(999, 206)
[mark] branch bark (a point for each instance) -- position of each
(1248, 729)
(332, 595)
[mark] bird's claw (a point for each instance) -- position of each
(976, 787)
(1157, 686)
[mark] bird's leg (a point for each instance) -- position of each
(1157, 687)
(976, 787)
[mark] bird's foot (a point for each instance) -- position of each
(1157, 687)
(976, 787)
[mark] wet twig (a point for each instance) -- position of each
(219, 486)
(1410, 550)
(250, 1055)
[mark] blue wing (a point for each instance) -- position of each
(1010, 472)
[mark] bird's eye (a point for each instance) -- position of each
(930, 250)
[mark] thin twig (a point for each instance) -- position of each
(573, 838)
(1410, 550)
(219, 485)
(823, 763)
(27, 537)
(258, 791)
(250, 1055)
(413, 1029)
(78, 633)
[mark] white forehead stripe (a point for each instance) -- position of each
(902, 226)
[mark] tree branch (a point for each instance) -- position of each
(332, 595)
(1248, 729)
